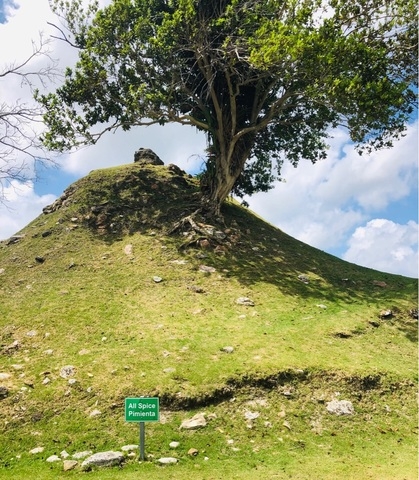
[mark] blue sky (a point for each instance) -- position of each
(362, 209)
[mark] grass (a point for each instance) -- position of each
(92, 303)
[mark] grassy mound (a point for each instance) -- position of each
(98, 283)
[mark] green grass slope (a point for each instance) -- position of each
(102, 283)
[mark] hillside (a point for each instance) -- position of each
(225, 319)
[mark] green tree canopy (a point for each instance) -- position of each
(265, 80)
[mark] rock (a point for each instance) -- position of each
(36, 450)
(4, 392)
(157, 279)
(248, 415)
(197, 421)
(40, 259)
(340, 407)
(2, 270)
(53, 458)
(128, 249)
(413, 313)
(303, 278)
(320, 305)
(4, 376)
(64, 454)
(167, 460)
(32, 333)
(69, 465)
(193, 452)
(206, 269)
(174, 444)
(84, 351)
(95, 413)
(129, 448)
(245, 301)
(103, 459)
(67, 371)
(378, 283)
(80, 455)
(14, 239)
(228, 349)
(146, 156)
(386, 314)
(175, 169)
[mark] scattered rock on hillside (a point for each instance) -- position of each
(146, 156)
(67, 371)
(4, 392)
(80, 455)
(340, 407)
(197, 421)
(386, 313)
(378, 283)
(36, 450)
(245, 301)
(69, 465)
(14, 239)
(413, 313)
(53, 458)
(303, 278)
(167, 460)
(103, 459)
(228, 349)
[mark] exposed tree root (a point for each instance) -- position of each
(197, 231)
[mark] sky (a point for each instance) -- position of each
(363, 209)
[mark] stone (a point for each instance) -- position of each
(303, 278)
(4, 376)
(386, 314)
(4, 392)
(340, 407)
(248, 415)
(228, 349)
(95, 413)
(193, 452)
(69, 465)
(245, 301)
(36, 450)
(146, 156)
(206, 269)
(64, 454)
(174, 444)
(67, 371)
(53, 458)
(167, 460)
(129, 448)
(379, 283)
(80, 455)
(157, 279)
(128, 249)
(103, 459)
(194, 423)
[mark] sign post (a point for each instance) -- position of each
(142, 410)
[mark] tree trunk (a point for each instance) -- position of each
(223, 170)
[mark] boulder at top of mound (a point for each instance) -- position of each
(146, 156)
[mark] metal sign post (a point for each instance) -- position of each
(142, 410)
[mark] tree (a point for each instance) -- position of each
(21, 148)
(265, 80)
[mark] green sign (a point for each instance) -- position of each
(142, 409)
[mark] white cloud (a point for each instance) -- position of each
(23, 205)
(322, 204)
(386, 246)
